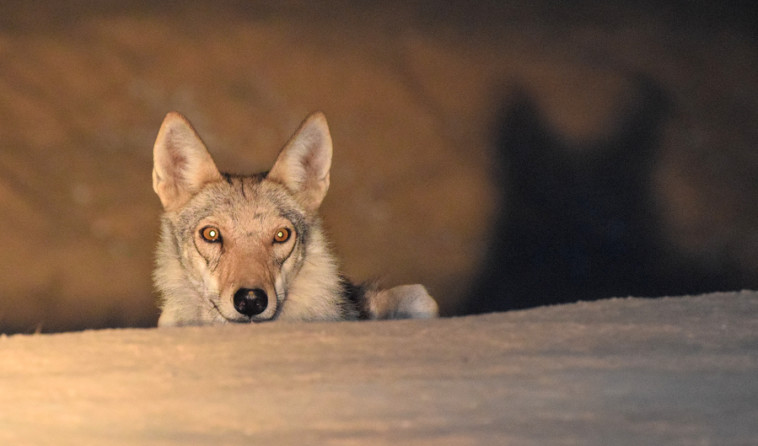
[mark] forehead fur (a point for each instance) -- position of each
(238, 198)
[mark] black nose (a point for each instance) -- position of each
(250, 301)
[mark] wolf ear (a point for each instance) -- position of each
(303, 164)
(181, 163)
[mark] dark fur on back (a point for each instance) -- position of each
(355, 297)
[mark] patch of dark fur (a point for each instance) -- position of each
(355, 298)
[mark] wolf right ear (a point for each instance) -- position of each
(304, 163)
(181, 163)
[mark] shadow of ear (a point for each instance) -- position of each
(577, 220)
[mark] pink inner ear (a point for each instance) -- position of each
(177, 162)
(310, 163)
(316, 159)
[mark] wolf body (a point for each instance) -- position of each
(237, 248)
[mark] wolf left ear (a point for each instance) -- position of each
(181, 163)
(304, 163)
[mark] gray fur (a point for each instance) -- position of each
(197, 278)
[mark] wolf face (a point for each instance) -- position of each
(233, 248)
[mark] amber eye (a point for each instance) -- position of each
(210, 234)
(281, 235)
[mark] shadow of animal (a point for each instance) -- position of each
(578, 221)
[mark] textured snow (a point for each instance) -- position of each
(620, 371)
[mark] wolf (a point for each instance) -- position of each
(251, 248)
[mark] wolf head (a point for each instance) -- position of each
(233, 248)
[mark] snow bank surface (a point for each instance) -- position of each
(621, 371)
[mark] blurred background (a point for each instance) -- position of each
(506, 154)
